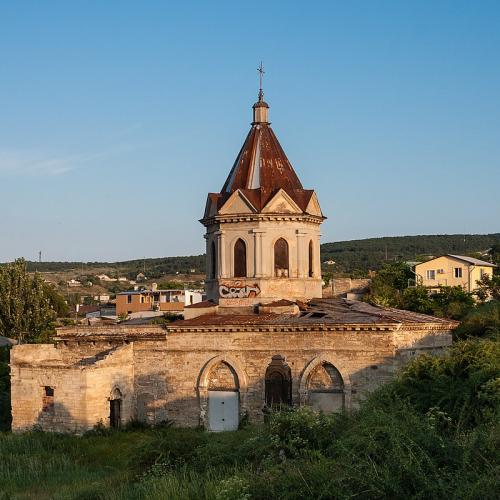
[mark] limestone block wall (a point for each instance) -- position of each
(33, 368)
(151, 383)
(165, 375)
(339, 287)
(103, 379)
(365, 359)
(57, 395)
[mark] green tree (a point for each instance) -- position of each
(483, 321)
(417, 299)
(25, 309)
(488, 288)
(56, 300)
(452, 302)
(388, 284)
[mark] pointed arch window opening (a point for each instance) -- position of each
(278, 383)
(240, 259)
(281, 259)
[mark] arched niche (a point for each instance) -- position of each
(278, 383)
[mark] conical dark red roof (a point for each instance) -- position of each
(262, 163)
(261, 168)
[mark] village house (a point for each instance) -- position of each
(452, 270)
(263, 338)
(134, 301)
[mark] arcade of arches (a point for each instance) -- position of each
(223, 400)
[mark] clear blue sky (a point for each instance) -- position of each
(117, 118)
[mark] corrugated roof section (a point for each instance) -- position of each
(472, 260)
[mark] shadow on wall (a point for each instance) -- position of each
(223, 397)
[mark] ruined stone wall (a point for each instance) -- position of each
(33, 368)
(56, 394)
(365, 359)
(160, 379)
(115, 372)
(339, 287)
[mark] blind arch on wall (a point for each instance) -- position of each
(240, 259)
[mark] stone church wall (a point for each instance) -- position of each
(55, 395)
(171, 378)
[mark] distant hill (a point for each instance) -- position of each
(371, 253)
(349, 256)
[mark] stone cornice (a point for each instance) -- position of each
(317, 327)
(121, 333)
(235, 218)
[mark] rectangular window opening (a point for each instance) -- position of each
(458, 272)
(48, 399)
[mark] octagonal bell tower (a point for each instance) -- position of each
(263, 227)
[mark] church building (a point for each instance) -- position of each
(263, 338)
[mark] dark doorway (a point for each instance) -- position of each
(115, 406)
(240, 259)
(115, 412)
(278, 383)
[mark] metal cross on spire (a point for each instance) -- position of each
(261, 71)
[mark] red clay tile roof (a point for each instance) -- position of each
(323, 311)
(280, 303)
(204, 303)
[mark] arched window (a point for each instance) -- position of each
(281, 267)
(240, 259)
(213, 261)
(278, 382)
(311, 269)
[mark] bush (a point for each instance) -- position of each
(484, 321)
(295, 431)
(456, 383)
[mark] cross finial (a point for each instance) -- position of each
(261, 71)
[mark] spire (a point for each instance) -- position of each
(260, 108)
